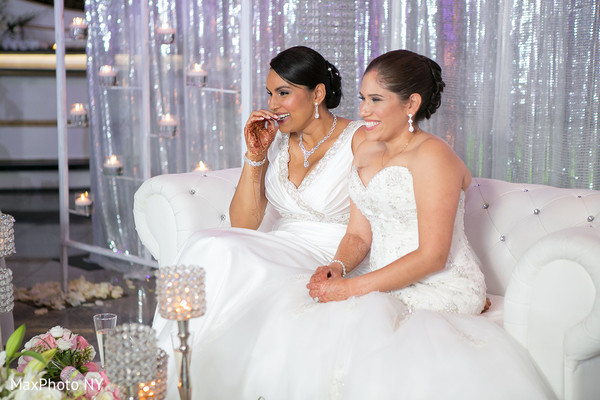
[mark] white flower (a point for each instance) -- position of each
(57, 331)
(105, 396)
(38, 393)
(2, 357)
(63, 344)
(32, 342)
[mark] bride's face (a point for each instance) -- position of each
(383, 112)
(291, 102)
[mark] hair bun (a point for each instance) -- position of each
(437, 88)
(334, 89)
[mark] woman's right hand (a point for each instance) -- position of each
(259, 133)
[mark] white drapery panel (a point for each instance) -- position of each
(522, 101)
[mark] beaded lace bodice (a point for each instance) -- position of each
(388, 202)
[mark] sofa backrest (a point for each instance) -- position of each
(503, 220)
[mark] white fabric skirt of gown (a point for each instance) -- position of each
(283, 345)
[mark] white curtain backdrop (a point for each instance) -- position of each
(521, 101)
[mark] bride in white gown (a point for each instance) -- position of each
(409, 328)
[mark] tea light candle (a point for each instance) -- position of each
(196, 76)
(165, 33)
(202, 167)
(107, 75)
(78, 115)
(83, 203)
(112, 166)
(79, 28)
(167, 126)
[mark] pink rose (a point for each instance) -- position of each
(91, 366)
(93, 384)
(23, 361)
(47, 342)
(82, 344)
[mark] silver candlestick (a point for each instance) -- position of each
(181, 296)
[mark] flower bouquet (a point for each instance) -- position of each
(69, 365)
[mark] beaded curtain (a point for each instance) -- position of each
(523, 77)
(521, 101)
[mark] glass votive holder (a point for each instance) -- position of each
(6, 290)
(107, 75)
(78, 115)
(165, 34)
(78, 28)
(112, 166)
(83, 204)
(167, 126)
(196, 76)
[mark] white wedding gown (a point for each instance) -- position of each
(264, 336)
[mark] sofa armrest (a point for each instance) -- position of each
(169, 208)
(552, 307)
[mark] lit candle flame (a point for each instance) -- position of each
(202, 167)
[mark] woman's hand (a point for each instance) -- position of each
(334, 288)
(259, 133)
(325, 272)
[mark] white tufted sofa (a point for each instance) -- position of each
(539, 247)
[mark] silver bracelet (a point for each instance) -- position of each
(254, 163)
(342, 264)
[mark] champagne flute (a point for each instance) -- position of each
(103, 323)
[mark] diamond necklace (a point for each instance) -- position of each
(308, 153)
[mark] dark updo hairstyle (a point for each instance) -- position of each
(404, 73)
(301, 65)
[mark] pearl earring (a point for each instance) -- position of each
(316, 110)
(411, 129)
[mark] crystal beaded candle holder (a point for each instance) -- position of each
(130, 355)
(6, 290)
(180, 292)
(7, 235)
(157, 388)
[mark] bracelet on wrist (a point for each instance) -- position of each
(254, 163)
(342, 264)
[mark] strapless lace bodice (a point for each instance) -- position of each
(388, 202)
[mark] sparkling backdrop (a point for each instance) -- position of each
(521, 103)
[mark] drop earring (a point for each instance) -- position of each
(316, 110)
(411, 129)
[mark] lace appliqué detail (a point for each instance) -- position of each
(295, 192)
(338, 381)
(388, 202)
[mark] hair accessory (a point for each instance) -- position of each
(254, 163)
(316, 110)
(410, 124)
(308, 153)
(342, 264)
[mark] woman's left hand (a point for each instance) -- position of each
(332, 289)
